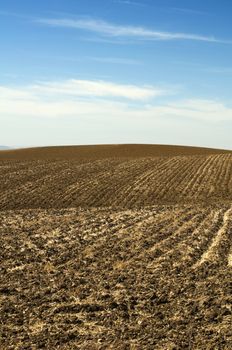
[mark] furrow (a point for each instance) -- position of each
(162, 250)
(191, 247)
(189, 189)
(213, 252)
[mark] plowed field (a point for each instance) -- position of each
(116, 252)
(123, 182)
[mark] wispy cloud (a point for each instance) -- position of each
(115, 60)
(118, 31)
(198, 109)
(76, 98)
(22, 16)
(219, 70)
(98, 89)
(200, 67)
(130, 3)
(74, 89)
(108, 40)
(95, 100)
(187, 11)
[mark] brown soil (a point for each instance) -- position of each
(119, 182)
(104, 151)
(116, 253)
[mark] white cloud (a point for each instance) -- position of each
(73, 97)
(196, 109)
(17, 94)
(92, 99)
(118, 31)
(90, 88)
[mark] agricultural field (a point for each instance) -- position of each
(120, 181)
(121, 252)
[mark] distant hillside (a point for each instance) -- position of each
(105, 151)
(121, 178)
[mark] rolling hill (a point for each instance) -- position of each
(105, 151)
(127, 177)
(116, 247)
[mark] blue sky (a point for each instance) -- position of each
(115, 71)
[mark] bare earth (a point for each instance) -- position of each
(116, 247)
